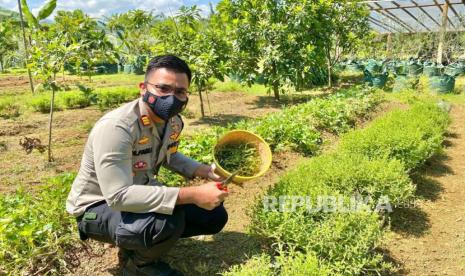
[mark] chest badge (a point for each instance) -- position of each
(175, 126)
(145, 120)
(174, 136)
(140, 165)
(144, 140)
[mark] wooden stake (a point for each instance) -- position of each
(50, 121)
(389, 45)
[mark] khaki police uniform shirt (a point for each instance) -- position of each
(121, 157)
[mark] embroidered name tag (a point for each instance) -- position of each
(140, 152)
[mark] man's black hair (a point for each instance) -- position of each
(170, 62)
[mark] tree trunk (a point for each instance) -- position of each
(276, 90)
(275, 83)
(1, 64)
(202, 110)
(50, 120)
(63, 74)
(330, 82)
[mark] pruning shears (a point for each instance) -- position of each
(223, 184)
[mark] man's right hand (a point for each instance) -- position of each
(206, 196)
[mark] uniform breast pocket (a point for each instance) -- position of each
(141, 159)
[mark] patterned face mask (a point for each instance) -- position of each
(165, 107)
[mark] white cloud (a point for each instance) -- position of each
(9, 4)
(161, 6)
(100, 8)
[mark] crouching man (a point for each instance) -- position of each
(115, 196)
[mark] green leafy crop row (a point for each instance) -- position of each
(296, 127)
(409, 136)
(105, 98)
(370, 165)
(35, 230)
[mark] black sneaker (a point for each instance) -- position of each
(158, 268)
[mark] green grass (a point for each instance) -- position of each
(9, 108)
(232, 86)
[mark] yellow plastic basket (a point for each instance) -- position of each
(239, 137)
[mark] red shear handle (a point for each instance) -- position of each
(220, 186)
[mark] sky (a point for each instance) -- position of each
(100, 8)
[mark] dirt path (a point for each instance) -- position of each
(429, 236)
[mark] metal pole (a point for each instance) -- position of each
(25, 45)
(442, 32)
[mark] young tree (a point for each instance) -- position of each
(131, 34)
(346, 25)
(7, 41)
(48, 54)
(276, 38)
(201, 42)
(93, 45)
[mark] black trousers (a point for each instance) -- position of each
(149, 235)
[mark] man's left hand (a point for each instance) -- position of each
(208, 172)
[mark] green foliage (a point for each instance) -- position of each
(342, 244)
(290, 42)
(9, 108)
(113, 97)
(241, 158)
(131, 31)
(338, 114)
(35, 230)
(410, 136)
(286, 129)
(73, 99)
(47, 9)
(41, 103)
(299, 126)
(200, 145)
(333, 218)
(286, 264)
(332, 174)
(257, 265)
(7, 41)
(170, 178)
(105, 98)
(92, 43)
(30, 18)
(201, 43)
(298, 263)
